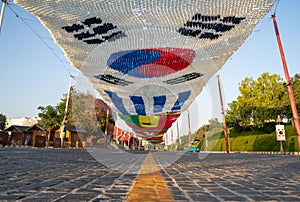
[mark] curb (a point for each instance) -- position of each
(252, 152)
(272, 152)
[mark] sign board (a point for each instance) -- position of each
(280, 133)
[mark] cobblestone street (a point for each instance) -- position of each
(30, 174)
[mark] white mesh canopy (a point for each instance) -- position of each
(152, 56)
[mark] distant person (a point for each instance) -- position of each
(27, 139)
(62, 134)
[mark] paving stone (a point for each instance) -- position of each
(12, 197)
(78, 197)
(47, 174)
(116, 191)
(288, 198)
(233, 198)
(204, 197)
(101, 199)
(180, 198)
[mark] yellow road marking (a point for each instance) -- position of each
(149, 184)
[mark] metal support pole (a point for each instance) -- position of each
(189, 124)
(281, 147)
(62, 137)
(106, 129)
(288, 81)
(106, 122)
(68, 95)
(206, 141)
(171, 139)
(4, 2)
(178, 136)
(224, 118)
(166, 141)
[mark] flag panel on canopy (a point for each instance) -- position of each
(151, 57)
(149, 135)
(152, 40)
(150, 122)
(149, 126)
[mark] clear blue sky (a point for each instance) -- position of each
(32, 76)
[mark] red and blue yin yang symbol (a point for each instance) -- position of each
(151, 62)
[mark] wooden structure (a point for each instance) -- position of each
(38, 136)
(75, 137)
(4, 138)
(35, 135)
(17, 134)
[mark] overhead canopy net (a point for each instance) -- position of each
(148, 59)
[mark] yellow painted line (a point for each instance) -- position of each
(149, 184)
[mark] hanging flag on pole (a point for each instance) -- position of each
(280, 133)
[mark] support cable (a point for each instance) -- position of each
(276, 5)
(43, 39)
(263, 24)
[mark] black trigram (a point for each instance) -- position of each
(94, 31)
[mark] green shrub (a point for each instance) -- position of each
(256, 140)
(290, 130)
(266, 142)
(242, 143)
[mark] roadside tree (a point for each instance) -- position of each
(2, 121)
